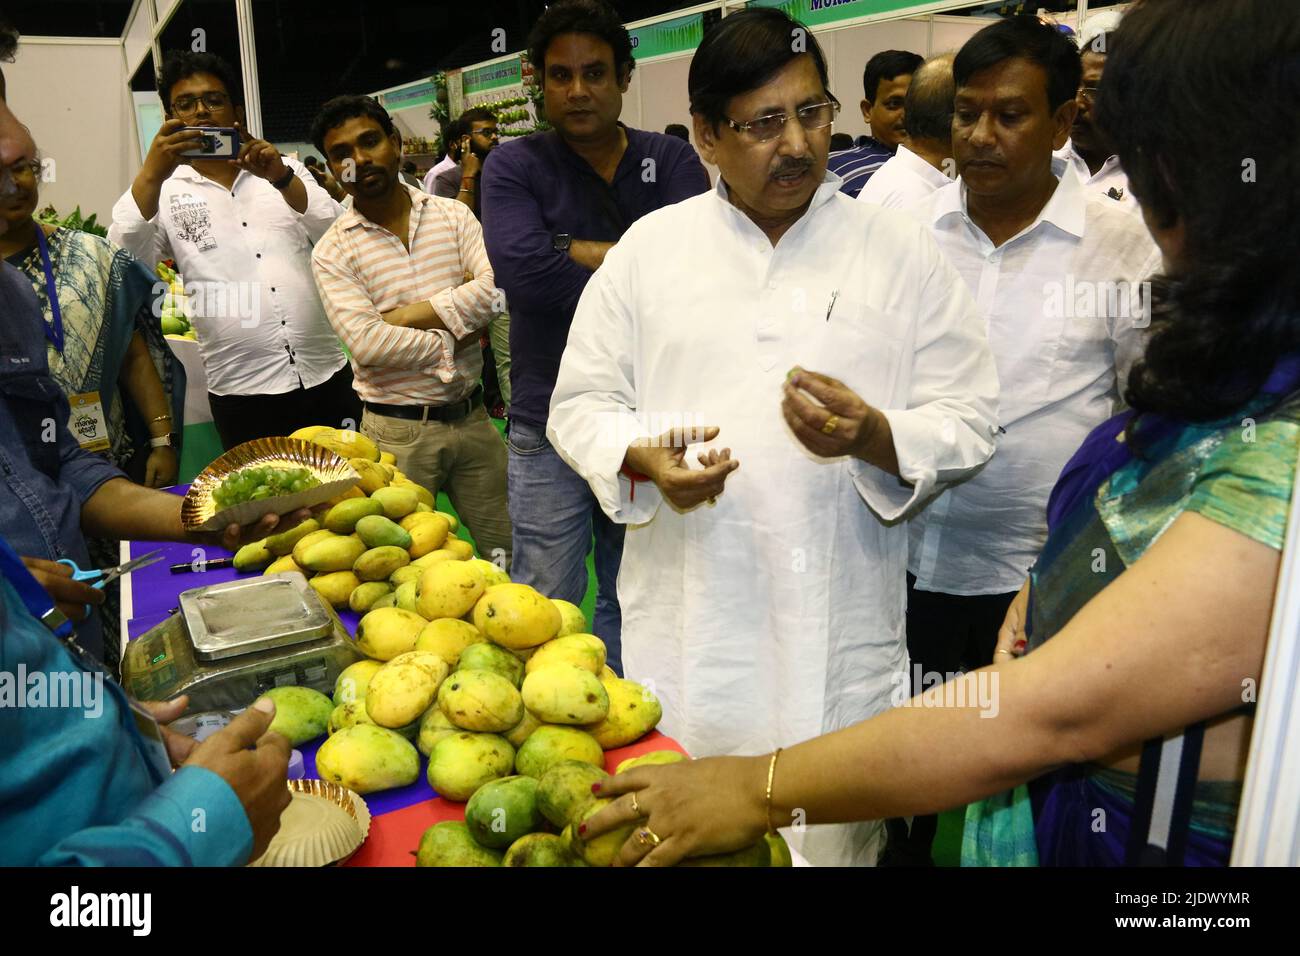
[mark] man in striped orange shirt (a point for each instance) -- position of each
(407, 285)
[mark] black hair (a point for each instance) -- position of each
(452, 133)
(179, 64)
(9, 37)
(343, 108)
(678, 130)
(1232, 306)
(581, 16)
(840, 142)
(476, 114)
(886, 66)
(408, 167)
(741, 52)
(1030, 38)
(928, 106)
(312, 161)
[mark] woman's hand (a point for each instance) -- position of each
(696, 808)
(1011, 636)
(161, 468)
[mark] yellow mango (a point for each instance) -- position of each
(307, 540)
(462, 549)
(365, 758)
(286, 563)
(346, 443)
(492, 575)
(463, 762)
(480, 701)
(548, 746)
(416, 517)
(633, 713)
(434, 725)
(396, 502)
(365, 596)
(310, 432)
(427, 536)
(565, 694)
(601, 850)
(253, 557)
(373, 476)
(282, 544)
(515, 616)
(386, 632)
(572, 620)
(654, 758)
(387, 458)
(430, 661)
(449, 589)
(452, 521)
(581, 650)
(343, 517)
(403, 574)
(332, 554)
(400, 692)
(422, 508)
(352, 682)
(348, 715)
(352, 492)
(406, 597)
(335, 587)
(422, 494)
(522, 730)
(448, 638)
(378, 564)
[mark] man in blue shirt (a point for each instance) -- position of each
(553, 204)
(884, 84)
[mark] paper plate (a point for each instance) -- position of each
(199, 511)
(323, 824)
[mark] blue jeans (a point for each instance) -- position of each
(554, 515)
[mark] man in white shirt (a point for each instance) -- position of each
(1057, 276)
(924, 162)
(241, 233)
(763, 595)
(1087, 150)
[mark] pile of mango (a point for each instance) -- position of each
(368, 541)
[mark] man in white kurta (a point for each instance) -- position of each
(776, 612)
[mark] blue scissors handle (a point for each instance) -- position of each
(94, 574)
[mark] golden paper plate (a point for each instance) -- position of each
(323, 824)
(199, 512)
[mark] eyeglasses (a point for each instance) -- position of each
(26, 168)
(187, 105)
(1088, 93)
(812, 117)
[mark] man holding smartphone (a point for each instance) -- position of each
(241, 231)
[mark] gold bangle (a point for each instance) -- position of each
(160, 418)
(771, 774)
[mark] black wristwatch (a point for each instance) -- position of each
(284, 181)
(562, 242)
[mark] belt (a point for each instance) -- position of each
(433, 413)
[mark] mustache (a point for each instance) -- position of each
(789, 166)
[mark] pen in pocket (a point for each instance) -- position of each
(831, 305)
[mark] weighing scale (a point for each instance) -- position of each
(230, 643)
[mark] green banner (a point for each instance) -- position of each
(679, 35)
(490, 77)
(418, 94)
(817, 12)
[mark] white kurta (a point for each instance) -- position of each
(776, 614)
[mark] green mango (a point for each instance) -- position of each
(434, 725)
(343, 517)
(405, 574)
(779, 849)
(449, 844)
(406, 596)
(253, 557)
(490, 657)
(333, 554)
(546, 746)
(364, 597)
(565, 789)
(378, 564)
(301, 714)
(378, 531)
(463, 762)
(540, 849)
(502, 811)
(282, 543)
(365, 758)
(756, 855)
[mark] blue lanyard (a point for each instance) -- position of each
(33, 596)
(55, 333)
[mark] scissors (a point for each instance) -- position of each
(102, 576)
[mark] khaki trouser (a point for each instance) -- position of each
(499, 336)
(466, 459)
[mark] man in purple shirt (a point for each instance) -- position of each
(553, 204)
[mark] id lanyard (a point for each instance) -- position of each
(41, 606)
(53, 333)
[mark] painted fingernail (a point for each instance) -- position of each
(582, 829)
(595, 788)
(1020, 645)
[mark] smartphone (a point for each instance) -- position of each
(218, 142)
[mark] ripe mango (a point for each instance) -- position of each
(386, 632)
(452, 521)
(607, 674)
(430, 661)
(388, 600)
(422, 494)
(434, 725)
(459, 547)
(449, 844)
(436, 556)
(565, 788)
(343, 442)
(572, 620)
(353, 681)
(253, 557)
(332, 554)
(757, 854)
(301, 714)
(542, 850)
(778, 850)
(547, 746)
(633, 713)
(502, 811)
(387, 458)
(522, 730)
(348, 715)
(365, 596)
(378, 564)
(378, 532)
(422, 508)
(463, 762)
(343, 517)
(448, 638)
(396, 502)
(427, 536)
(492, 574)
(307, 540)
(352, 491)
(365, 758)
(414, 518)
(335, 587)
(516, 616)
(282, 544)
(564, 694)
(449, 589)
(480, 701)
(406, 596)
(400, 693)
(489, 657)
(373, 477)
(653, 759)
(581, 650)
(601, 850)
(309, 432)
(404, 574)
(284, 564)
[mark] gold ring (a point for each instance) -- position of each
(635, 808)
(832, 423)
(1002, 650)
(647, 837)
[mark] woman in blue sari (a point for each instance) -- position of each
(1122, 689)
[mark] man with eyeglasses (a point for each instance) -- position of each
(241, 232)
(554, 204)
(1088, 150)
(828, 369)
